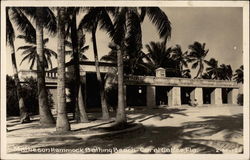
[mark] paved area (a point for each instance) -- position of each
(204, 129)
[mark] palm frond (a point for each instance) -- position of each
(161, 21)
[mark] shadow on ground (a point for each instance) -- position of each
(187, 138)
(160, 113)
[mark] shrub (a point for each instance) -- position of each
(30, 96)
(240, 99)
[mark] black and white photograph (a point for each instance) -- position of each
(124, 79)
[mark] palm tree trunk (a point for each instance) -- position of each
(120, 115)
(105, 113)
(62, 123)
(83, 115)
(74, 39)
(24, 117)
(46, 118)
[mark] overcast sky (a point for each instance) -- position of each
(220, 28)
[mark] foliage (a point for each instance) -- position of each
(214, 71)
(240, 99)
(30, 51)
(29, 93)
(196, 56)
(239, 75)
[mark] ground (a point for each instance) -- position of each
(204, 129)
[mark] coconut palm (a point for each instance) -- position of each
(98, 16)
(76, 45)
(10, 37)
(180, 58)
(239, 75)
(42, 17)
(213, 69)
(62, 123)
(82, 48)
(226, 72)
(30, 52)
(127, 29)
(160, 56)
(197, 56)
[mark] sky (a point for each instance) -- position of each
(220, 28)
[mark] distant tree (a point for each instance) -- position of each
(197, 56)
(82, 48)
(213, 70)
(206, 76)
(160, 56)
(239, 75)
(180, 58)
(226, 72)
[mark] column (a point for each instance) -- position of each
(174, 97)
(216, 97)
(198, 95)
(151, 96)
(232, 96)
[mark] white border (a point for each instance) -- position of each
(243, 4)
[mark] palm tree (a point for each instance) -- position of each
(82, 48)
(213, 69)
(197, 56)
(127, 29)
(95, 16)
(226, 72)
(77, 48)
(160, 56)
(10, 37)
(239, 75)
(180, 57)
(62, 123)
(30, 52)
(46, 118)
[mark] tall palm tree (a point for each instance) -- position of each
(239, 75)
(213, 69)
(30, 51)
(127, 29)
(98, 16)
(62, 123)
(197, 56)
(75, 35)
(181, 58)
(10, 37)
(46, 118)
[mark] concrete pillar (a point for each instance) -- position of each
(151, 102)
(232, 96)
(198, 95)
(174, 96)
(216, 96)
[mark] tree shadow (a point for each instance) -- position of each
(231, 126)
(161, 113)
(189, 137)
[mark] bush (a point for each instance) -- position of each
(240, 99)
(30, 96)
